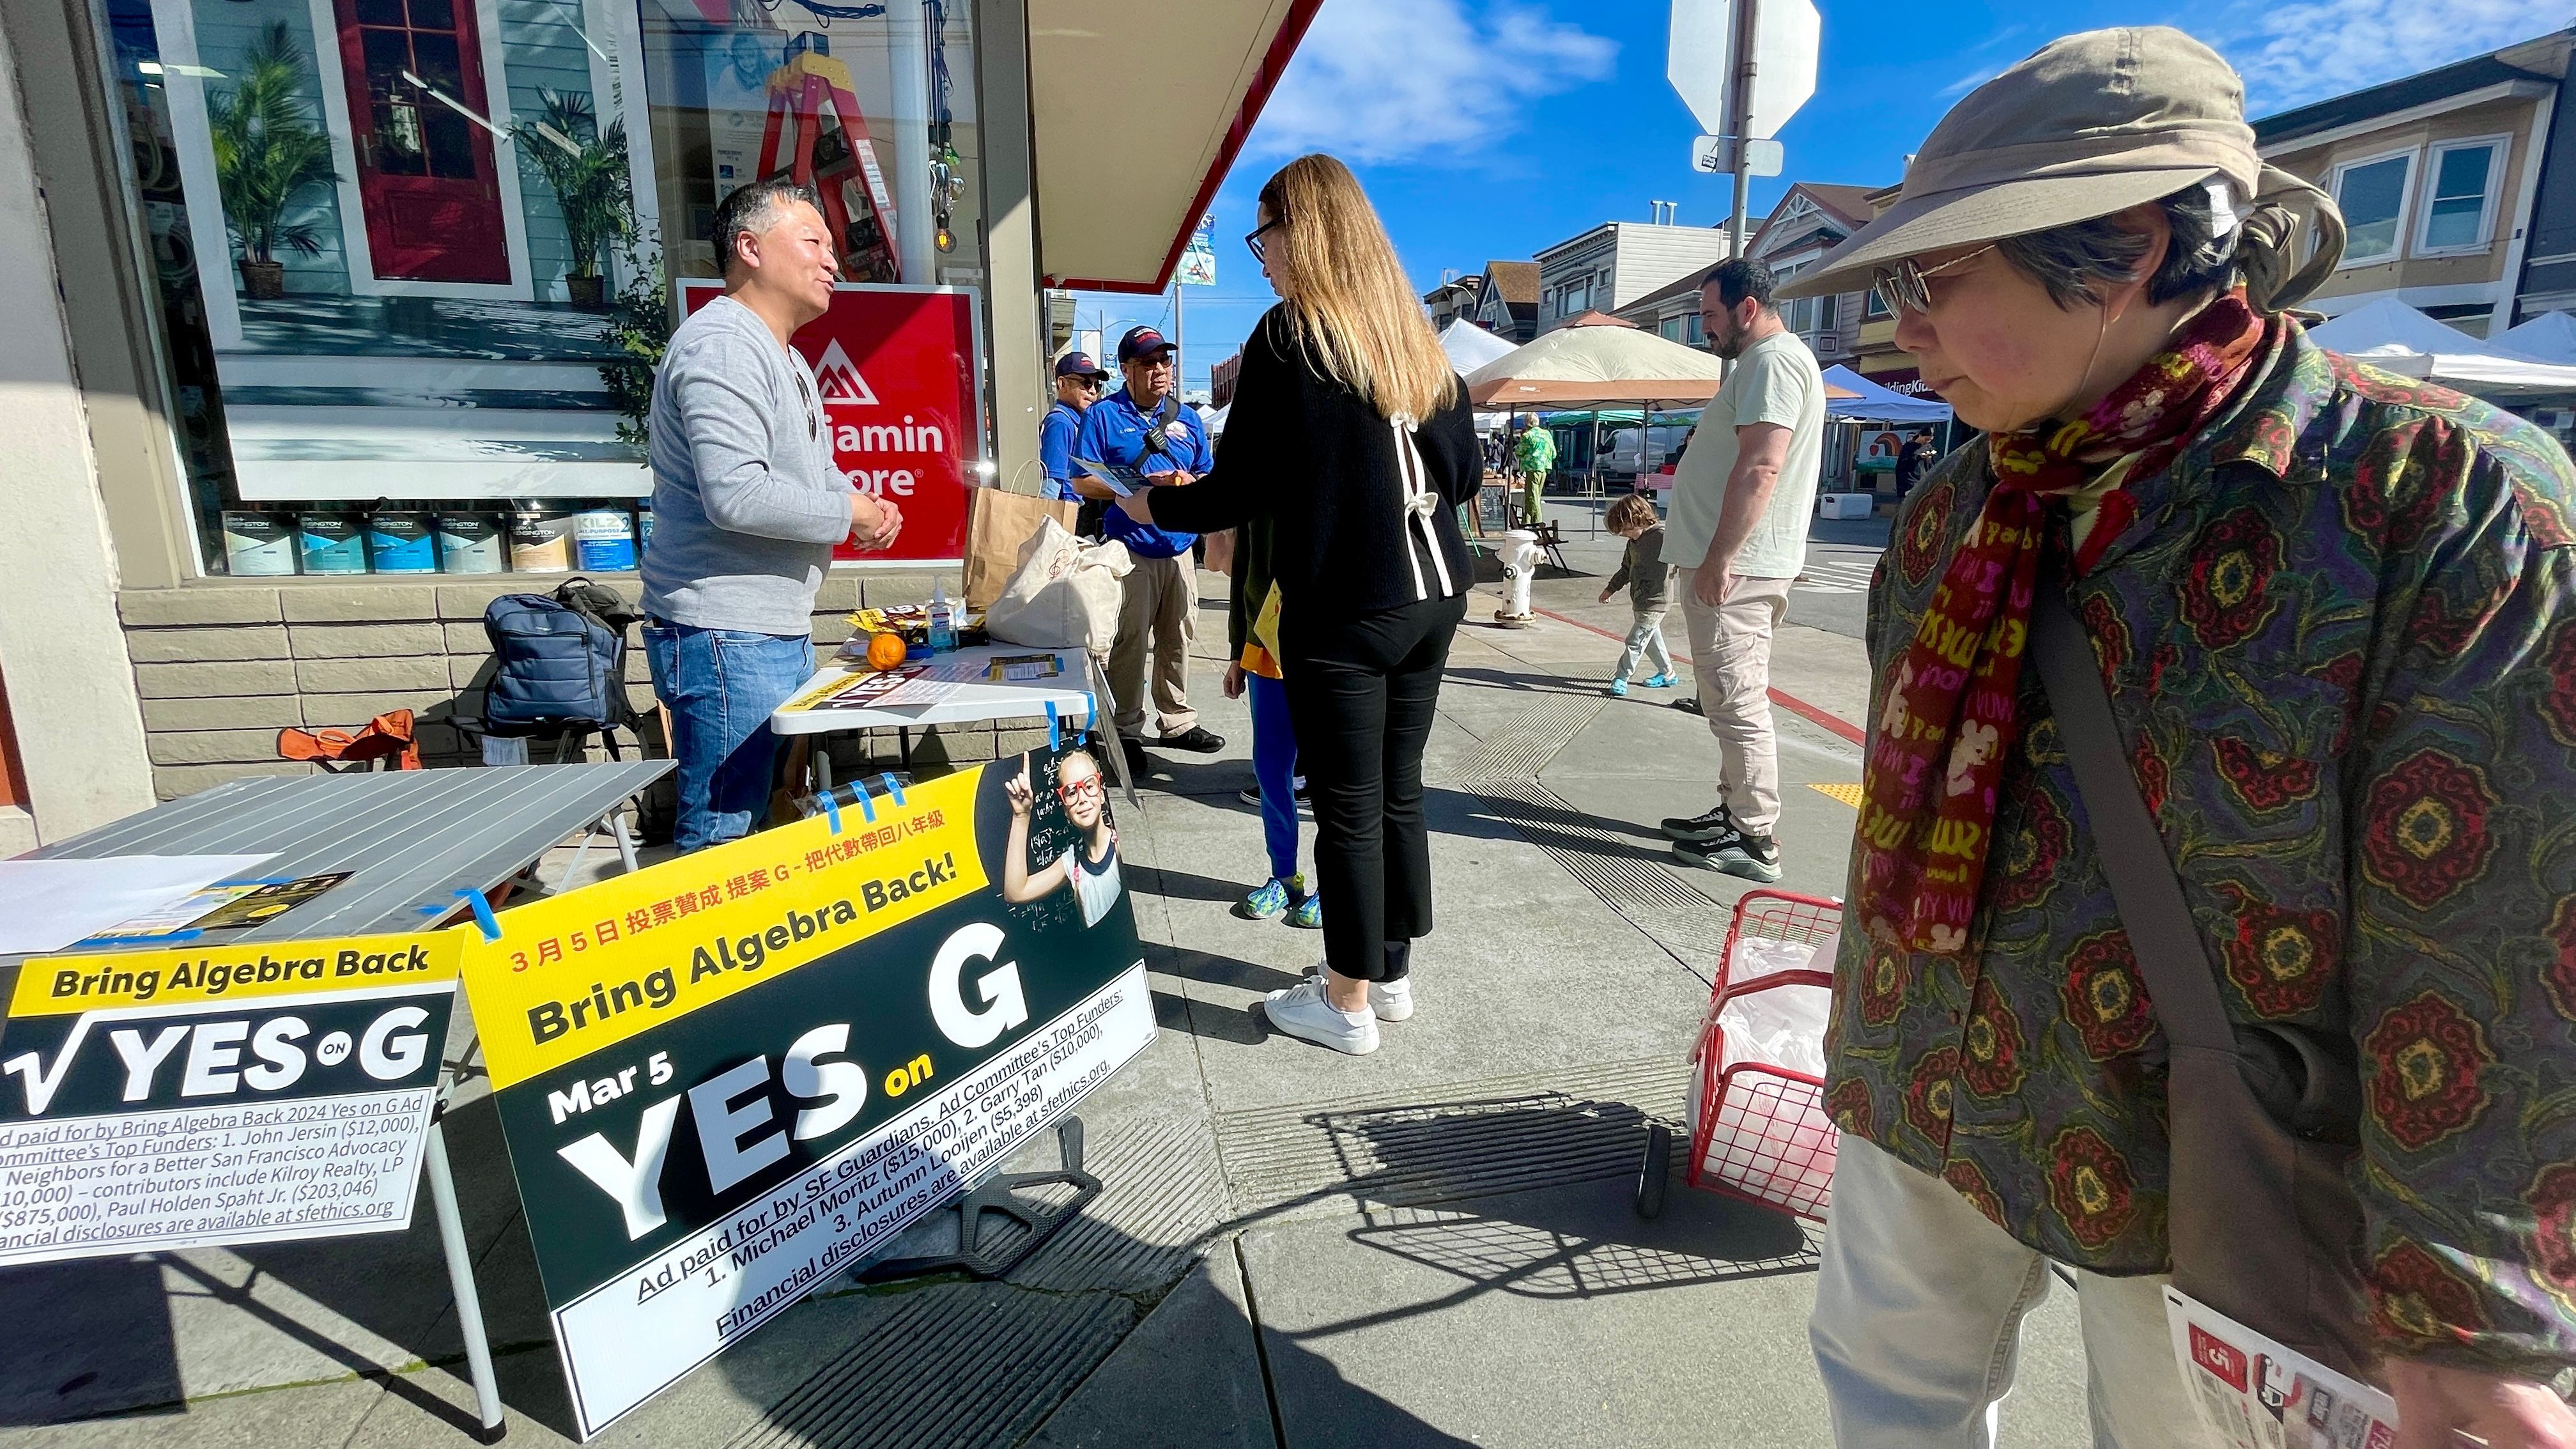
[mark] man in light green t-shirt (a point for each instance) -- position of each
(1742, 494)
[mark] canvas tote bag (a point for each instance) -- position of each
(2264, 1118)
(998, 526)
(1064, 594)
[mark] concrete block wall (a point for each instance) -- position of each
(223, 666)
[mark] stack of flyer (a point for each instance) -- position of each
(2253, 1393)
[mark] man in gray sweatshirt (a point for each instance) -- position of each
(746, 507)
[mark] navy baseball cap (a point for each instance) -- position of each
(1141, 342)
(1079, 364)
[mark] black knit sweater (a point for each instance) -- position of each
(1318, 463)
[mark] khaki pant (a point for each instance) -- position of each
(1918, 1317)
(1730, 649)
(1159, 607)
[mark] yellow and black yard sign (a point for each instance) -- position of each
(728, 1077)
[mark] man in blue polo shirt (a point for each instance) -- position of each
(1143, 426)
(1078, 381)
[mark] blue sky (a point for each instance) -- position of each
(1492, 128)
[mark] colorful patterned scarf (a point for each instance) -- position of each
(1928, 800)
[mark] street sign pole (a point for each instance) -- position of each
(1739, 120)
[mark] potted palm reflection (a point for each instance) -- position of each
(585, 164)
(268, 155)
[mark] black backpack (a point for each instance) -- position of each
(558, 660)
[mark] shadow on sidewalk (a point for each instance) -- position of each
(1520, 683)
(113, 1326)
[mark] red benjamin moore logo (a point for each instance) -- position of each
(899, 370)
(860, 442)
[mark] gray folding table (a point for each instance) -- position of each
(410, 840)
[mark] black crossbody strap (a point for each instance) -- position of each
(2167, 944)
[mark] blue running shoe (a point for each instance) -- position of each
(1267, 903)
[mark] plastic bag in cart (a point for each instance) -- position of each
(1772, 1138)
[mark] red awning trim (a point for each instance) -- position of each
(1274, 64)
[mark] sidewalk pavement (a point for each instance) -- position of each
(1430, 1246)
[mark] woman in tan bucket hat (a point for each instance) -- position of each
(2316, 775)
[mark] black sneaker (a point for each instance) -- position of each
(1754, 857)
(1703, 829)
(1139, 764)
(1251, 795)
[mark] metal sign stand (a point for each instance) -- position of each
(460, 1281)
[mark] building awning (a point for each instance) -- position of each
(1140, 108)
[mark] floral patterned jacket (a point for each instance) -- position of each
(2341, 634)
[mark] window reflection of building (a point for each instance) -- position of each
(162, 388)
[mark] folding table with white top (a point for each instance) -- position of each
(956, 687)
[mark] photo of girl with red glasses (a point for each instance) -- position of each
(1090, 866)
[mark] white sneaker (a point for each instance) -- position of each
(1302, 1011)
(1391, 1000)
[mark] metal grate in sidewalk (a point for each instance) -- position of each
(1476, 1139)
(1627, 874)
(970, 1364)
(951, 1365)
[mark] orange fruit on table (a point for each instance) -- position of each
(885, 651)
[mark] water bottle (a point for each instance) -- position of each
(943, 626)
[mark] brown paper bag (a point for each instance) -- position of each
(998, 526)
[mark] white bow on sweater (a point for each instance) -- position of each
(1420, 502)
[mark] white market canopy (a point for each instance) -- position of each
(1470, 346)
(2394, 337)
(1877, 404)
(2549, 337)
(1589, 366)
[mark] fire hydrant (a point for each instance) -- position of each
(1520, 554)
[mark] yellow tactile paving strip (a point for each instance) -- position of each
(1847, 791)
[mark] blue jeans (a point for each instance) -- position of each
(1274, 768)
(721, 685)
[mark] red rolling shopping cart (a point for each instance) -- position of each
(1758, 1130)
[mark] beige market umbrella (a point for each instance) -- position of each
(1591, 363)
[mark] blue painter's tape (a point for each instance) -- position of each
(867, 806)
(482, 914)
(187, 935)
(1055, 734)
(1090, 710)
(832, 812)
(894, 786)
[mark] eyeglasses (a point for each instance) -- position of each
(1907, 287)
(1087, 785)
(1252, 239)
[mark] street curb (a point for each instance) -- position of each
(1791, 702)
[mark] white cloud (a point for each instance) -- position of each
(2296, 53)
(1969, 82)
(1379, 82)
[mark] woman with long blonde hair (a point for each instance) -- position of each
(1348, 449)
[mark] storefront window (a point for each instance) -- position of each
(415, 258)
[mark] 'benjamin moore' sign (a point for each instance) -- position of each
(152, 1100)
(728, 1077)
